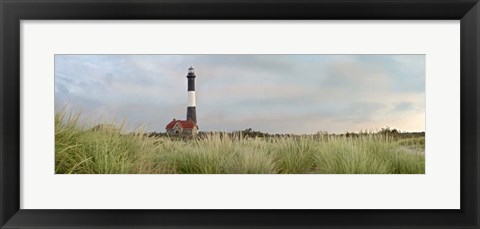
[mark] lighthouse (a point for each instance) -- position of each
(191, 109)
(187, 127)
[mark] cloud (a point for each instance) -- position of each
(359, 112)
(404, 106)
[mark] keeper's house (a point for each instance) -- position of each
(182, 127)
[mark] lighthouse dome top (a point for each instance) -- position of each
(191, 70)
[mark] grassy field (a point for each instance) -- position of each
(81, 150)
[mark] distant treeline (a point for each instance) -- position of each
(249, 132)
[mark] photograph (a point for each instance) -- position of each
(239, 114)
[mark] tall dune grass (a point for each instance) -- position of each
(80, 149)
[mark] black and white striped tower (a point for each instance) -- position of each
(191, 110)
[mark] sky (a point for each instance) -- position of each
(299, 94)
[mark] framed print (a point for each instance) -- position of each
(239, 114)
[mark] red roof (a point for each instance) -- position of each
(182, 123)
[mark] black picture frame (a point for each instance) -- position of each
(13, 11)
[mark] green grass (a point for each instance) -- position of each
(82, 150)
